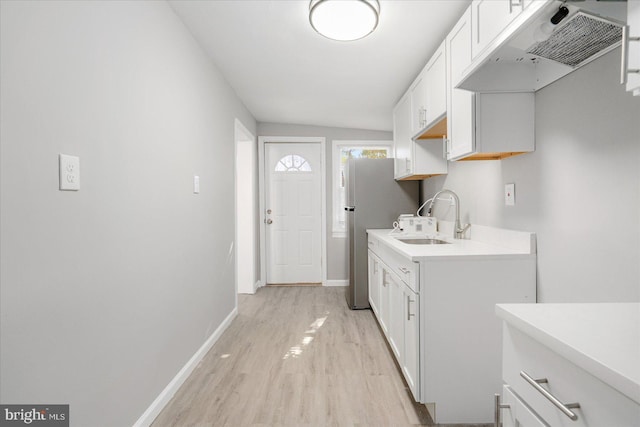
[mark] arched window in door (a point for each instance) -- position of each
(293, 163)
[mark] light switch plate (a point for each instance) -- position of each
(510, 194)
(69, 172)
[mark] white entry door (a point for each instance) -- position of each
(293, 212)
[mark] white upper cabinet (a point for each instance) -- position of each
(420, 123)
(414, 159)
(419, 103)
(429, 95)
(525, 45)
(436, 86)
(633, 47)
(402, 137)
(489, 18)
(460, 103)
(458, 44)
(483, 126)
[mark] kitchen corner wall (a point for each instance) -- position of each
(107, 292)
(579, 191)
(338, 259)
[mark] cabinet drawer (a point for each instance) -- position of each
(600, 404)
(406, 269)
(517, 413)
(373, 243)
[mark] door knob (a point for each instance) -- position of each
(269, 221)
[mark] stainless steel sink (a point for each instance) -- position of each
(424, 241)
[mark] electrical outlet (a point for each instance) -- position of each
(69, 172)
(510, 194)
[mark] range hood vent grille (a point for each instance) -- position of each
(579, 39)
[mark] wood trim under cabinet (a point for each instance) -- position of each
(419, 177)
(492, 156)
(437, 131)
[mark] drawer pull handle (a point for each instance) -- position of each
(497, 418)
(404, 270)
(409, 314)
(565, 408)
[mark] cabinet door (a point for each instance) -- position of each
(458, 49)
(461, 103)
(436, 86)
(402, 137)
(633, 20)
(419, 103)
(384, 305)
(411, 319)
(374, 283)
(461, 124)
(489, 18)
(396, 323)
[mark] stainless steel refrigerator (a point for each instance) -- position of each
(374, 200)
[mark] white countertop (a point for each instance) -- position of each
(601, 338)
(491, 242)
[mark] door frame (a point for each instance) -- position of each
(246, 241)
(262, 140)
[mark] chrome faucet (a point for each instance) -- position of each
(458, 230)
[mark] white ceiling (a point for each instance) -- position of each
(285, 72)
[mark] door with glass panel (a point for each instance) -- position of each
(293, 212)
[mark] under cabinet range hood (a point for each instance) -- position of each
(554, 41)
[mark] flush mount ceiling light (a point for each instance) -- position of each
(344, 20)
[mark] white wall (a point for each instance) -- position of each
(107, 292)
(337, 258)
(579, 191)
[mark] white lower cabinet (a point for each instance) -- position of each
(582, 399)
(437, 315)
(396, 325)
(411, 328)
(384, 305)
(375, 276)
(398, 312)
(516, 413)
(404, 332)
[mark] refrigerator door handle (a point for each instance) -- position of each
(349, 208)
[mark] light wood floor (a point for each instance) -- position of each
(296, 356)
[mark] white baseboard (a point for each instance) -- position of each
(165, 396)
(336, 283)
(257, 285)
